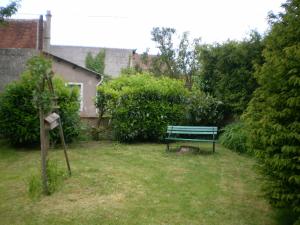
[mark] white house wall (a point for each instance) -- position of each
(73, 74)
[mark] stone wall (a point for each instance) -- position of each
(115, 59)
(13, 63)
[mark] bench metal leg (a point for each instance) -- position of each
(213, 147)
(168, 147)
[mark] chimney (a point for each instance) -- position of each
(47, 34)
(40, 34)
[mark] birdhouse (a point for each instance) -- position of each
(51, 121)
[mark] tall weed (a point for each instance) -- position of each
(234, 137)
(55, 176)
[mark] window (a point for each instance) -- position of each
(80, 87)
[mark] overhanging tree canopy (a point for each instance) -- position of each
(8, 11)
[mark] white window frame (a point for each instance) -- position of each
(98, 84)
(80, 94)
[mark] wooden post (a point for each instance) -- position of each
(61, 133)
(43, 152)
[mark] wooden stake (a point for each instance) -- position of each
(61, 133)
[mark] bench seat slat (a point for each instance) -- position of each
(188, 139)
(191, 128)
(190, 132)
(187, 127)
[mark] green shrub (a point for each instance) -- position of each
(142, 106)
(19, 121)
(101, 103)
(235, 137)
(68, 111)
(203, 109)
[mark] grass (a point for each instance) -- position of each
(135, 184)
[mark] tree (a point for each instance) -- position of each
(165, 62)
(227, 71)
(180, 62)
(273, 117)
(8, 11)
(97, 63)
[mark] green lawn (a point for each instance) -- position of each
(135, 184)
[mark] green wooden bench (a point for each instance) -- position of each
(191, 133)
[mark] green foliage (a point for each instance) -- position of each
(165, 62)
(273, 117)
(34, 187)
(96, 63)
(19, 121)
(8, 11)
(142, 106)
(173, 61)
(227, 71)
(39, 69)
(101, 103)
(68, 111)
(55, 177)
(203, 109)
(131, 70)
(234, 137)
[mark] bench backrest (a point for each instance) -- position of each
(192, 130)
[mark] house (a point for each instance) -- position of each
(13, 63)
(86, 80)
(115, 58)
(23, 39)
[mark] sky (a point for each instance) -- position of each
(128, 23)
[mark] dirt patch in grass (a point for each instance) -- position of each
(190, 149)
(78, 202)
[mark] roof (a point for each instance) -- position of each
(73, 64)
(92, 47)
